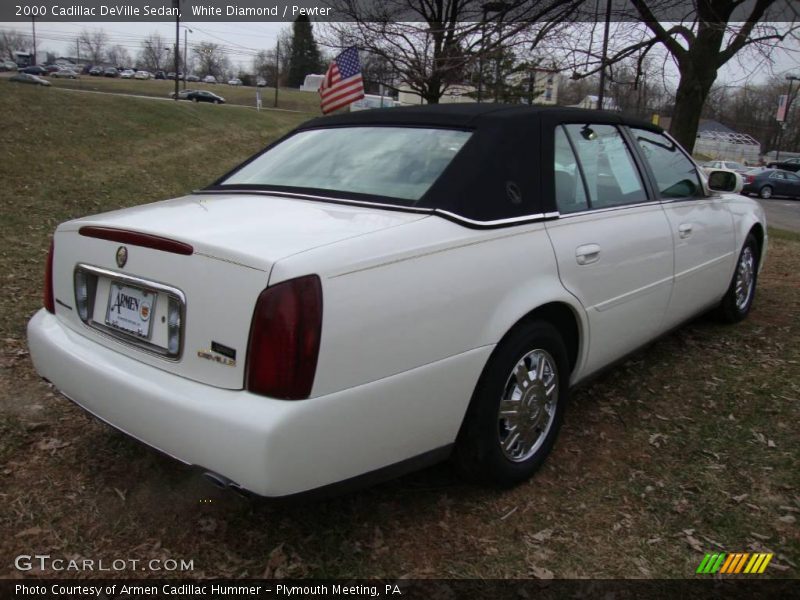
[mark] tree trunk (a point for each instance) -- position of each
(698, 71)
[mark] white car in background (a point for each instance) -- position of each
(127, 74)
(380, 290)
(142, 75)
(235, 81)
(209, 79)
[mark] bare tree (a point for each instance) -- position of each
(119, 56)
(700, 44)
(10, 42)
(430, 44)
(211, 59)
(93, 44)
(156, 53)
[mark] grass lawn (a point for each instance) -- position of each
(288, 99)
(691, 446)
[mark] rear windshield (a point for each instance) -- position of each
(398, 163)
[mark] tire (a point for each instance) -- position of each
(216, 101)
(738, 300)
(486, 449)
(765, 192)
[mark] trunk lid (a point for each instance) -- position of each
(236, 240)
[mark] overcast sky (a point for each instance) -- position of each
(243, 40)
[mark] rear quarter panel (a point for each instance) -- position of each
(412, 295)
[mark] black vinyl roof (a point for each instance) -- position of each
(502, 175)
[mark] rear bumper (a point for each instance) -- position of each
(271, 447)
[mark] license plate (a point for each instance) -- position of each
(130, 309)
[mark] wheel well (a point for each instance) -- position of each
(562, 317)
(758, 231)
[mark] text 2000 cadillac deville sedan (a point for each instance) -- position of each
(380, 290)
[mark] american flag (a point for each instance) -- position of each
(342, 84)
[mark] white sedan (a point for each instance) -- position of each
(380, 290)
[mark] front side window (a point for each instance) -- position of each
(676, 175)
(398, 163)
(609, 171)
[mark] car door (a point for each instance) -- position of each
(612, 243)
(792, 184)
(701, 227)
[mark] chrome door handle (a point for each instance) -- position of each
(587, 254)
(685, 230)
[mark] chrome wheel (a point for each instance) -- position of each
(528, 405)
(766, 192)
(745, 276)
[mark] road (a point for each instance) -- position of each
(782, 213)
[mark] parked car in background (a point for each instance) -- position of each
(142, 75)
(729, 165)
(95, 71)
(790, 164)
(261, 82)
(28, 78)
(160, 75)
(65, 74)
(204, 96)
(40, 71)
(111, 72)
(772, 182)
(192, 78)
(386, 288)
(235, 81)
(8, 65)
(52, 68)
(209, 79)
(127, 74)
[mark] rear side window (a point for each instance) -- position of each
(676, 175)
(570, 191)
(609, 172)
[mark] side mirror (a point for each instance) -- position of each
(725, 181)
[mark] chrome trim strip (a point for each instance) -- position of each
(532, 218)
(594, 211)
(428, 211)
(121, 336)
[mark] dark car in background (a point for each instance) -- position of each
(160, 75)
(40, 71)
(95, 71)
(111, 72)
(790, 164)
(771, 182)
(28, 78)
(202, 96)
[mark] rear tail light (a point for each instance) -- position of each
(284, 339)
(49, 298)
(749, 178)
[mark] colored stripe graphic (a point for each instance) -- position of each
(734, 563)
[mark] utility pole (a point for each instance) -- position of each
(176, 3)
(33, 24)
(186, 31)
(603, 59)
(277, 69)
(791, 79)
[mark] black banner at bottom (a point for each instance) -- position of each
(405, 589)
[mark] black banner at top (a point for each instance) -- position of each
(371, 10)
